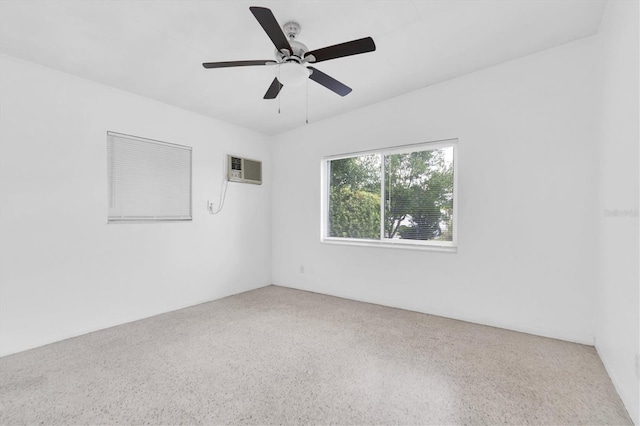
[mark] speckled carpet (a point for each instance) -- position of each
(283, 356)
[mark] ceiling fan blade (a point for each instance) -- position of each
(329, 82)
(237, 63)
(273, 90)
(271, 27)
(349, 48)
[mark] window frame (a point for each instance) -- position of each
(443, 246)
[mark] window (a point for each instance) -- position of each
(401, 197)
(148, 180)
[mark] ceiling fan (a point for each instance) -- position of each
(293, 58)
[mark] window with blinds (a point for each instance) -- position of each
(148, 180)
(397, 196)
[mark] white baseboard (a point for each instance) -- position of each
(574, 337)
(14, 349)
(627, 400)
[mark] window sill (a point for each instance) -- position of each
(386, 244)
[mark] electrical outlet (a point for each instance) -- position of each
(210, 206)
(302, 269)
(638, 366)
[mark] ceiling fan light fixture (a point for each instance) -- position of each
(292, 74)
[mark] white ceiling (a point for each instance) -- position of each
(156, 48)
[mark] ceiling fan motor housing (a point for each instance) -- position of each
(297, 55)
(292, 29)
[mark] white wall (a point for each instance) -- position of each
(529, 219)
(527, 204)
(64, 271)
(617, 320)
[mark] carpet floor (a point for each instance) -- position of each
(282, 356)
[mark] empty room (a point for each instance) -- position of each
(407, 212)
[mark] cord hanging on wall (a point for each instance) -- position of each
(223, 191)
(223, 196)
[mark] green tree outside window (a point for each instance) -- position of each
(418, 196)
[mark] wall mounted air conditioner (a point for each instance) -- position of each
(244, 170)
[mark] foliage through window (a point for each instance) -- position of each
(393, 196)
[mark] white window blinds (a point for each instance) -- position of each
(148, 180)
